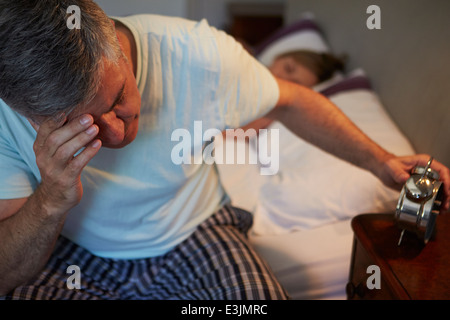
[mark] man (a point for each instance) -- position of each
(87, 178)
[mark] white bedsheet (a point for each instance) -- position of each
(312, 264)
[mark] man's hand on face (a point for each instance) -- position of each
(57, 143)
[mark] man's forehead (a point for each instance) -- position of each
(111, 88)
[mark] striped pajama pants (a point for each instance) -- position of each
(215, 262)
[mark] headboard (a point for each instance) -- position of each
(407, 60)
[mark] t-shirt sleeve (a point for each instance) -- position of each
(246, 88)
(16, 180)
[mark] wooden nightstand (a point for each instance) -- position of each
(412, 270)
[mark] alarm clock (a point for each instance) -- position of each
(419, 203)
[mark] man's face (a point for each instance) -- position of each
(116, 107)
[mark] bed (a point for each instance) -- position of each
(307, 240)
(302, 212)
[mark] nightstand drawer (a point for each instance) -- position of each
(359, 275)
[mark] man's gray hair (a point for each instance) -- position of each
(46, 68)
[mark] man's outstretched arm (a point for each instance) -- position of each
(317, 120)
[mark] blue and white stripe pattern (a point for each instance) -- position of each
(215, 263)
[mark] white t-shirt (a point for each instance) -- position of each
(137, 202)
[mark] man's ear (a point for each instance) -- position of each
(115, 29)
(34, 124)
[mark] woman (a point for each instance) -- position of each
(307, 68)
